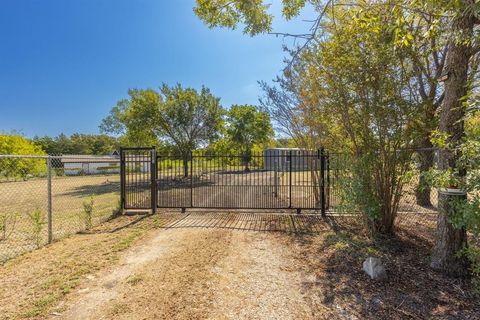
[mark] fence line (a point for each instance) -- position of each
(47, 197)
(44, 198)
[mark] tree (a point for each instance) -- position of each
(247, 126)
(451, 239)
(179, 117)
(20, 167)
(457, 65)
(420, 35)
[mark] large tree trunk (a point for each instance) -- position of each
(423, 190)
(449, 240)
(185, 165)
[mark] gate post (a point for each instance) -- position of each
(191, 178)
(290, 179)
(328, 179)
(122, 181)
(153, 179)
(322, 180)
(49, 194)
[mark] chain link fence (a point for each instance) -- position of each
(417, 203)
(45, 198)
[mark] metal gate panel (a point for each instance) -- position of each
(266, 180)
(137, 170)
(273, 179)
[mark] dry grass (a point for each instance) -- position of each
(36, 281)
(248, 265)
(20, 199)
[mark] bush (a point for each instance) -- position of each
(20, 167)
(371, 184)
(7, 219)
(37, 221)
(88, 212)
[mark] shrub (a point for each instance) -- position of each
(20, 167)
(88, 212)
(371, 184)
(37, 221)
(5, 220)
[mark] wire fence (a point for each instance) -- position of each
(46, 198)
(417, 204)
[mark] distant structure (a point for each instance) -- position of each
(279, 159)
(74, 165)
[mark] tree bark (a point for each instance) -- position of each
(449, 240)
(423, 190)
(185, 165)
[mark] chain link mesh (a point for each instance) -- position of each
(417, 204)
(83, 191)
(79, 192)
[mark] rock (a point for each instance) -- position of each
(374, 268)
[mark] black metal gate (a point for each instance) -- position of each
(137, 178)
(272, 179)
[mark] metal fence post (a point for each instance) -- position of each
(122, 180)
(322, 180)
(327, 160)
(275, 177)
(191, 179)
(153, 169)
(49, 195)
(290, 179)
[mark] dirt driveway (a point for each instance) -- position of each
(192, 273)
(227, 266)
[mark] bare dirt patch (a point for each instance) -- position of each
(230, 266)
(34, 282)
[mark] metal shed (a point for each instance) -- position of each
(279, 159)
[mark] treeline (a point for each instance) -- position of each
(77, 143)
(17, 144)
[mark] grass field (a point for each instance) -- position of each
(23, 230)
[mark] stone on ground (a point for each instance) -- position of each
(374, 268)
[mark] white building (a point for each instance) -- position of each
(85, 164)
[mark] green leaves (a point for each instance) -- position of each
(291, 8)
(252, 13)
(246, 126)
(179, 117)
(20, 167)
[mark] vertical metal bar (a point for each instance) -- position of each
(122, 181)
(275, 177)
(328, 180)
(290, 179)
(153, 181)
(322, 180)
(49, 188)
(191, 178)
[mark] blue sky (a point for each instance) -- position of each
(65, 63)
